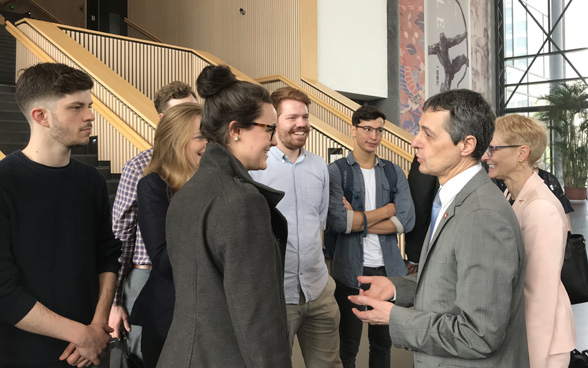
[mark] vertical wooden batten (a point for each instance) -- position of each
(308, 40)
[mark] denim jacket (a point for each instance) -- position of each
(348, 259)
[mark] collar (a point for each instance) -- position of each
(533, 182)
(454, 185)
(218, 158)
(282, 157)
(351, 160)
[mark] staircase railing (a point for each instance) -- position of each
(149, 65)
(127, 73)
(44, 11)
(143, 31)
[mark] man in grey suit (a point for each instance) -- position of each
(468, 294)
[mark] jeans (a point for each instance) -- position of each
(351, 327)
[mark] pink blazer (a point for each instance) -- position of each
(550, 322)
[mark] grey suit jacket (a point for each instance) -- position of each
(468, 298)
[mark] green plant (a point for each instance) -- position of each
(567, 111)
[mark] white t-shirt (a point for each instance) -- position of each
(372, 251)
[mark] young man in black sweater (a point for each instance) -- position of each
(58, 256)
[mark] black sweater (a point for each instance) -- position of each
(55, 239)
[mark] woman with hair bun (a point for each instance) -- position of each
(226, 239)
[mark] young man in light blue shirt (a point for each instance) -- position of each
(313, 314)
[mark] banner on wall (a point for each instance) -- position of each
(447, 39)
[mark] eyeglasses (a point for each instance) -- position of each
(368, 130)
(491, 149)
(271, 129)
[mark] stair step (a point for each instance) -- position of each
(8, 148)
(6, 88)
(15, 125)
(105, 171)
(5, 79)
(112, 185)
(89, 149)
(13, 136)
(9, 106)
(7, 97)
(90, 159)
(11, 115)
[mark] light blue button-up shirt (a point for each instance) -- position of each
(305, 206)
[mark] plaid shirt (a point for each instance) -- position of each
(124, 220)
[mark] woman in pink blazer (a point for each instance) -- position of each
(518, 143)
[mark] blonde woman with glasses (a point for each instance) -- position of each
(518, 143)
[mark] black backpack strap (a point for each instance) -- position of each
(346, 178)
(391, 176)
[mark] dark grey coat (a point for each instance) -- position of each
(226, 243)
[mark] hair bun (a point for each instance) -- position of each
(213, 79)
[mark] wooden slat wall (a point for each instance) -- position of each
(319, 144)
(148, 66)
(129, 59)
(145, 66)
(263, 41)
(266, 40)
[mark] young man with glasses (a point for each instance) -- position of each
(313, 314)
(367, 223)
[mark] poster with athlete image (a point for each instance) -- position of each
(447, 39)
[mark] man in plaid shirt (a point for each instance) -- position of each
(135, 263)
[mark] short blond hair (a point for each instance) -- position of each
(520, 129)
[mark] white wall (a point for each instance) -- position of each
(352, 39)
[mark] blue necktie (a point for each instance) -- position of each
(434, 213)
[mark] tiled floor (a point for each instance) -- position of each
(579, 218)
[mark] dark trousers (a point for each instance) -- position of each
(350, 328)
(151, 346)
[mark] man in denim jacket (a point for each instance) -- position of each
(367, 229)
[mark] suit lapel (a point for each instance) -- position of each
(445, 216)
(477, 180)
